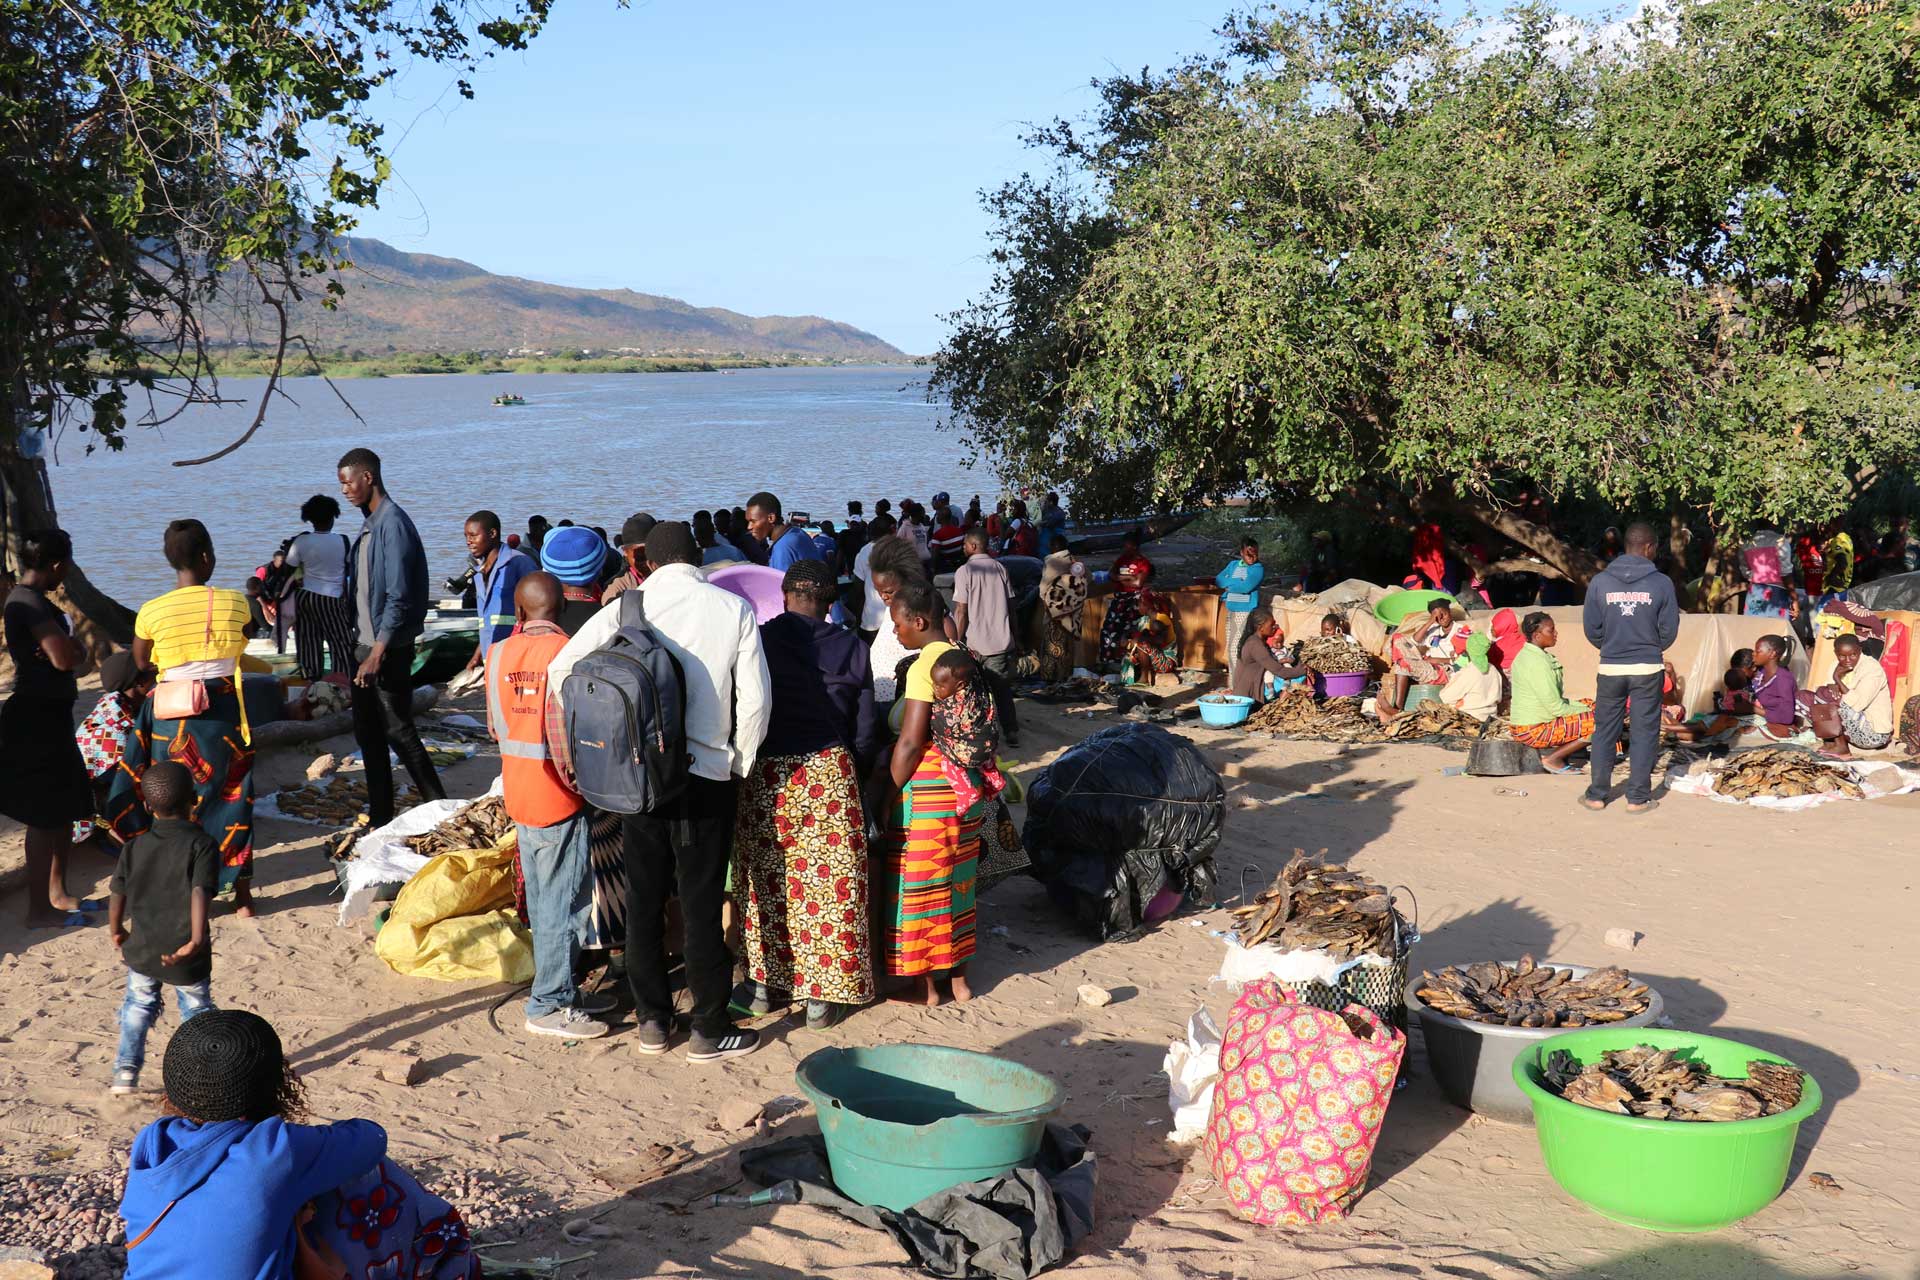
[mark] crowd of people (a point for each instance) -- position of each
(841, 759)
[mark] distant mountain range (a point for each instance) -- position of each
(398, 301)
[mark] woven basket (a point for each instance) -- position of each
(1380, 987)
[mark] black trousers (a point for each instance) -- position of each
(1610, 710)
(999, 668)
(391, 694)
(688, 841)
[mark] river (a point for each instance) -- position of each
(593, 448)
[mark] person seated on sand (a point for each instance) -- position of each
(1475, 687)
(1673, 702)
(1774, 690)
(1133, 598)
(1732, 706)
(1154, 649)
(230, 1184)
(1259, 666)
(1334, 626)
(1542, 716)
(1855, 708)
(1425, 654)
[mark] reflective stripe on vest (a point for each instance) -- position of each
(497, 717)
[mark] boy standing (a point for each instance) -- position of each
(167, 877)
(549, 816)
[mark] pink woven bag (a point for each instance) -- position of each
(1298, 1106)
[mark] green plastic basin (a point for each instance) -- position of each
(1664, 1175)
(1396, 606)
(904, 1121)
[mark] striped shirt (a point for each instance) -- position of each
(177, 624)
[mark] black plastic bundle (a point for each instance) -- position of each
(1128, 813)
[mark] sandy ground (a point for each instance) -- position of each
(1788, 931)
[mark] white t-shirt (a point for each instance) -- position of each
(323, 557)
(873, 612)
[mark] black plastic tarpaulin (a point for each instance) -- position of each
(1121, 817)
(1006, 1228)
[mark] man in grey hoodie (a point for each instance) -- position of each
(1632, 618)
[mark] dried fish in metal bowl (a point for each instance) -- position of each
(1658, 1084)
(1529, 994)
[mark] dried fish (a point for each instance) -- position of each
(1333, 656)
(1434, 719)
(1776, 771)
(1658, 1084)
(1295, 713)
(1529, 995)
(478, 826)
(1312, 906)
(337, 800)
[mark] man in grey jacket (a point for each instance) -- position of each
(387, 583)
(1632, 618)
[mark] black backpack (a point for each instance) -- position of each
(626, 718)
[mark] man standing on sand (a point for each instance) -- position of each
(686, 844)
(983, 622)
(1632, 618)
(497, 571)
(387, 582)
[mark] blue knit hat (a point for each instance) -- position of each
(574, 555)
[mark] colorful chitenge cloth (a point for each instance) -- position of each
(221, 764)
(965, 728)
(800, 877)
(384, 1225)
(931, 856)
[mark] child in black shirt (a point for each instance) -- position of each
(166, 878)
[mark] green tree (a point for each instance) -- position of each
(1355, 257)
(173, 173)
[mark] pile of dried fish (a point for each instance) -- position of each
(1434, 718)
(1775, 771)
(1313, 906)
(1294, 712)
(1530, 995)
(478, 826)
(335, 801)
(1334, 656)
(1656, 1085)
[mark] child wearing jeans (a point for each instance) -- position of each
(167, 876)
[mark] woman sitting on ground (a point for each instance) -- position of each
(1258, 665)
(1475, 687)
(229, 1184)
(1542, 716)
(1774, 690)
(1133, 598)
(1855, 709)
(1425, 654)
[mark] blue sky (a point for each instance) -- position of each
(770, 158)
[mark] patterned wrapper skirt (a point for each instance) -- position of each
(1859, 732)
(800, 877)
(931, 857)
(1116, 628)
(1557, 732)
(221, 765)
(1063, 638)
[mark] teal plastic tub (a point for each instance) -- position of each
(1224, 710)
(1664, 1175)
(905, 1121)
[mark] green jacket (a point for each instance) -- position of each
(1539, 688)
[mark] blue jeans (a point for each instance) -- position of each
(559, 895)
(141, 1009)
(1610, 709)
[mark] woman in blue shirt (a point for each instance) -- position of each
(1240, 580)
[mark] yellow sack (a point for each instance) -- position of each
(454, 921)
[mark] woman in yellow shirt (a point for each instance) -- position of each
(929, 847)
(195, 634)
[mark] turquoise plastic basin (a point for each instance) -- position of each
(905, 1121)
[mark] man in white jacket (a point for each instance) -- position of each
(713, 635)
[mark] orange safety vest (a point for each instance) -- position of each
(535, 793)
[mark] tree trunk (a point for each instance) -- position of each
(1576, 564)
(26, 503)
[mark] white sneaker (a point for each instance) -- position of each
(567, 1024)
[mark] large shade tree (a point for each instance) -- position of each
(1356, 255)
(168, 165)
